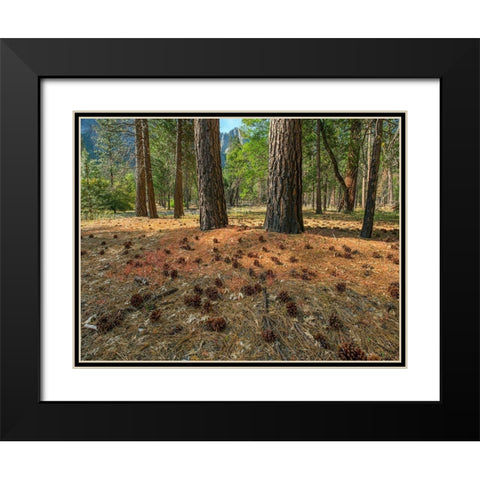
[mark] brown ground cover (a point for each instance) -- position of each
(162, 290)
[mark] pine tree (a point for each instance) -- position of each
(284, 205)
(211, 196)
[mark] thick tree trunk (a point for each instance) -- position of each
(318, 207)
(152, 208)
(351, 173)
(284, 204)
(211, 196)
(367, 227)
(141, 193)
(178, 206)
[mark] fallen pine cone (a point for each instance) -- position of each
(334, 322)
(109, 321)
(292, 309)
(193, 300)
(268, 336)
(212, 293)
(284, 297)
(155, 316)
(322, 339)
(350, 351)
(136, 300)
(394, 290)
(216, 324)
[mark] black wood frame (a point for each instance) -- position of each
(25, 62)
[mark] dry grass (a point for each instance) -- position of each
(142, 254)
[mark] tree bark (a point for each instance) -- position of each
(351, 173)
(284, 204)
(367, 226)
(390, 185)
(211, 195)
(369, 161)
(325, 188)
(318, 208)
(152, 208)
(141, 193)
(178, 200)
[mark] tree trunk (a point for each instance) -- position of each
(325, 196)
(364, 185)
(367, 227)
(369, 159)
(390, 185)
(284, 204)
(141, 193)
(336, 170)
(152, 208)
(351, 173)
(318, 208)
(211, 196)
(178, 200)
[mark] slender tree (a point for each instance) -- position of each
(152, 208)
(318, 206)
(367, 226)
(211, 196)
(178, 198)
(284, 204)
(349, 183)
(351, 173)
(366, 167)
(141, 193)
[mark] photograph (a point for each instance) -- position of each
(240, 239)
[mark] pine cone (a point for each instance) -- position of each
(350, 351)
(193, 301)
(334, 322)
(268, 335)
(394, 290)
(155, 316)
(283, 296)
(109, 321)
(322, 339)
(247, 290)
(216, 324)
(211, 293)
(136, 300)
(292, 309)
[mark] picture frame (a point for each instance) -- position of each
(24, 63)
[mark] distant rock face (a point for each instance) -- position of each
(226, 141)
(89, 136)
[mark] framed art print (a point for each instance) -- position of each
(203, 242)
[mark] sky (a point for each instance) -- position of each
(226, 124)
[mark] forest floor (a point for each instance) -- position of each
(162, 290)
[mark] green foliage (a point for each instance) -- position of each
(246, 168)
(163, 134)
(107, 181)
